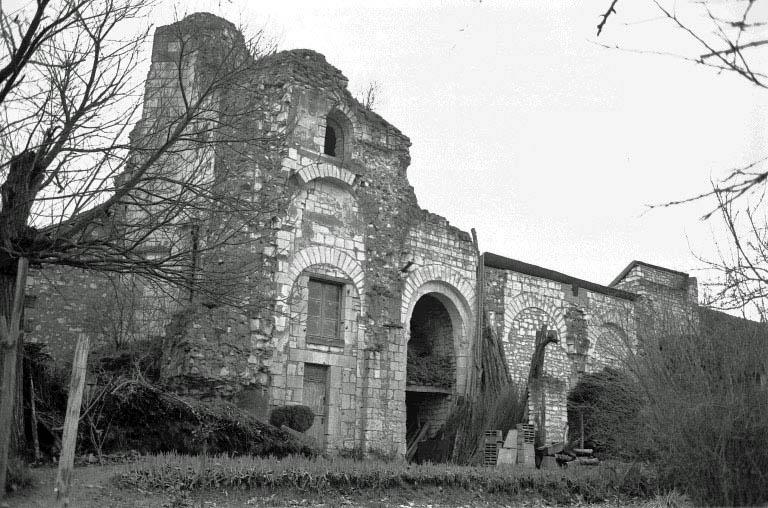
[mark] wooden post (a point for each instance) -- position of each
(33, 417)
(69, 438)
(9, 339)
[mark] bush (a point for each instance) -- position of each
(151, 420)
(299, 418)
(706, 411)
(590, 485)
(609, 402)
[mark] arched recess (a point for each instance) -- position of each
(547, 397)
(513, 306)
(350, 116)
(318, 255)
(461, 317)
(438, 321)
(609, 345)
(338, 135)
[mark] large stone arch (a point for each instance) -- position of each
(435, 407)
(457, 294)
(458, 288)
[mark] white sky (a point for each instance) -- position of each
(525, 129)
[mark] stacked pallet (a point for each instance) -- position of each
(518, 447)
(491, 445)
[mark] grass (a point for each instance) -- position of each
(183, 473)
(95, 487)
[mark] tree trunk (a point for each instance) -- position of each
(11, 304)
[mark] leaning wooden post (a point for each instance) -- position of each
(69, 437)
(9, 339)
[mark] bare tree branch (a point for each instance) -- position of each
(606, 15)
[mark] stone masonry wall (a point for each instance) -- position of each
(669, 299)
(113, 310)
(519, 304)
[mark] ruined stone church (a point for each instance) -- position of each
(376, 303)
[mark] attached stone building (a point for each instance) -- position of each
(361, 279)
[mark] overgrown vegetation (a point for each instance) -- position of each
(346, 475)
(694, 401)
(706, 413)
(608, 404)
(430, 369)
(152, 420)
(125, 409)
(498, 404)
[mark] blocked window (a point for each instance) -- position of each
(324, 312)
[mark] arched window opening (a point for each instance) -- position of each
(337, 128)
(331, 138)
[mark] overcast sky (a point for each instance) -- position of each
(525, 129)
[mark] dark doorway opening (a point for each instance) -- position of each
(430, 371)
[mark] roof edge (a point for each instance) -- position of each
(495, 261)
(634, 263)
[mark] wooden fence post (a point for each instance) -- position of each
(69, 437)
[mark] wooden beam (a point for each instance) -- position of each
(415, 445)
(69, 438)
(428, 389)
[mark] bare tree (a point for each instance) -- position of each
(730, 37)
(161, 203)
(368, 96)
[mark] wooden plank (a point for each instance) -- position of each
(415, 445)
(69, 439)
(428, 389)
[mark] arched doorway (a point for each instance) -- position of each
(431, 366)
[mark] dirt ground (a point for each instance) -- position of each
(93, 488)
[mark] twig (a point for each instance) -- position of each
(611, 10)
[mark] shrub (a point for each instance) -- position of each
(299, 418)
(609, 402)
(151, 420)
(706, 411)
